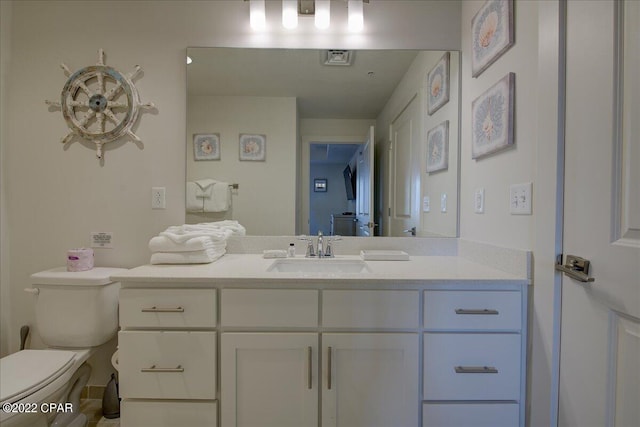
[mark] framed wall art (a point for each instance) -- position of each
(492, 116)
(492, 34)
(438, 148)
(253, 147)
(438, 85)
(320, 185)
(206, 146)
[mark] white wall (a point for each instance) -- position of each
(5, 298)
(534, 60)
(261, 183)
(434, 184)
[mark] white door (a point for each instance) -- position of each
(269, 380)
(599, 377)
(405, 172)
(369, 380)
(365, 223)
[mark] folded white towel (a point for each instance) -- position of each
(194, 204)
(220, 198)
(196, 257)
(204, 188)
(236, 228)
(164, 244)
(274, 253)
(182, 233)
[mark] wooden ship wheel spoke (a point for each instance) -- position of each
(100, 104)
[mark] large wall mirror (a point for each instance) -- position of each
(297, 141)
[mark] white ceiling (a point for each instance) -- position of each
(322, 91)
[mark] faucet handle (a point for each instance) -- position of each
(328, 252)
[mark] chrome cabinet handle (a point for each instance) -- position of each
(155, 309)
(475, 370)
(310, 370)
(476, 311)
(329, 367)
(153, 368)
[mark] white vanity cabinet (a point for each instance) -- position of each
(474, 369)
(273, 374)
(201, 350)
(167, 357)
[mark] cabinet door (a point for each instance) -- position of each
(370, 380)
(269, 380)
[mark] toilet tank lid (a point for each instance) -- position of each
(97, 276)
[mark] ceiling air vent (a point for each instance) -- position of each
(338, 57)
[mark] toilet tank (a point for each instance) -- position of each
(76, 309)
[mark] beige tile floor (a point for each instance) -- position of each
(92, 408)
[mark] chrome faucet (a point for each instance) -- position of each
(322, 249)
(320, 246)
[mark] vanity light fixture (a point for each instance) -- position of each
(319, 9)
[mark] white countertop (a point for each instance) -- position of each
(249, 268)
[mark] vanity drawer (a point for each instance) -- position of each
(472, 310)
(168, 308)
(370, 309)
(470, 414)
(167, 364)
(472, 366)
(136, 413)
(269, 308)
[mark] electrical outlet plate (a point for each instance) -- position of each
(520, 199)
(158, 198)
(443, 202)
(478, 201)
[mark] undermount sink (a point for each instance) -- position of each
(310, 265)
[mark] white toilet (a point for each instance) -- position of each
(75, 313)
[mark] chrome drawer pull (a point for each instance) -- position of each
(329, 362)
(476, 370)
(310, 371)
(476, 311)
(178, 369)
(155, 309)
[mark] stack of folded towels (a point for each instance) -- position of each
(193, 243)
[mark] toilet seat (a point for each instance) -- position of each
(27, 371)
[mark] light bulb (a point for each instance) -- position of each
(356, 18)
(323, 14)
(290, 14)
(257, 15)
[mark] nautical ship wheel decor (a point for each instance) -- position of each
(100, 104)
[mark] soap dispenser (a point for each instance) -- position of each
(292, 250)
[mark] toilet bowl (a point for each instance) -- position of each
(75, 313)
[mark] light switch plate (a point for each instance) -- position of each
(478, 200)
(443, 202)
(426, 204)
(520, 199)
